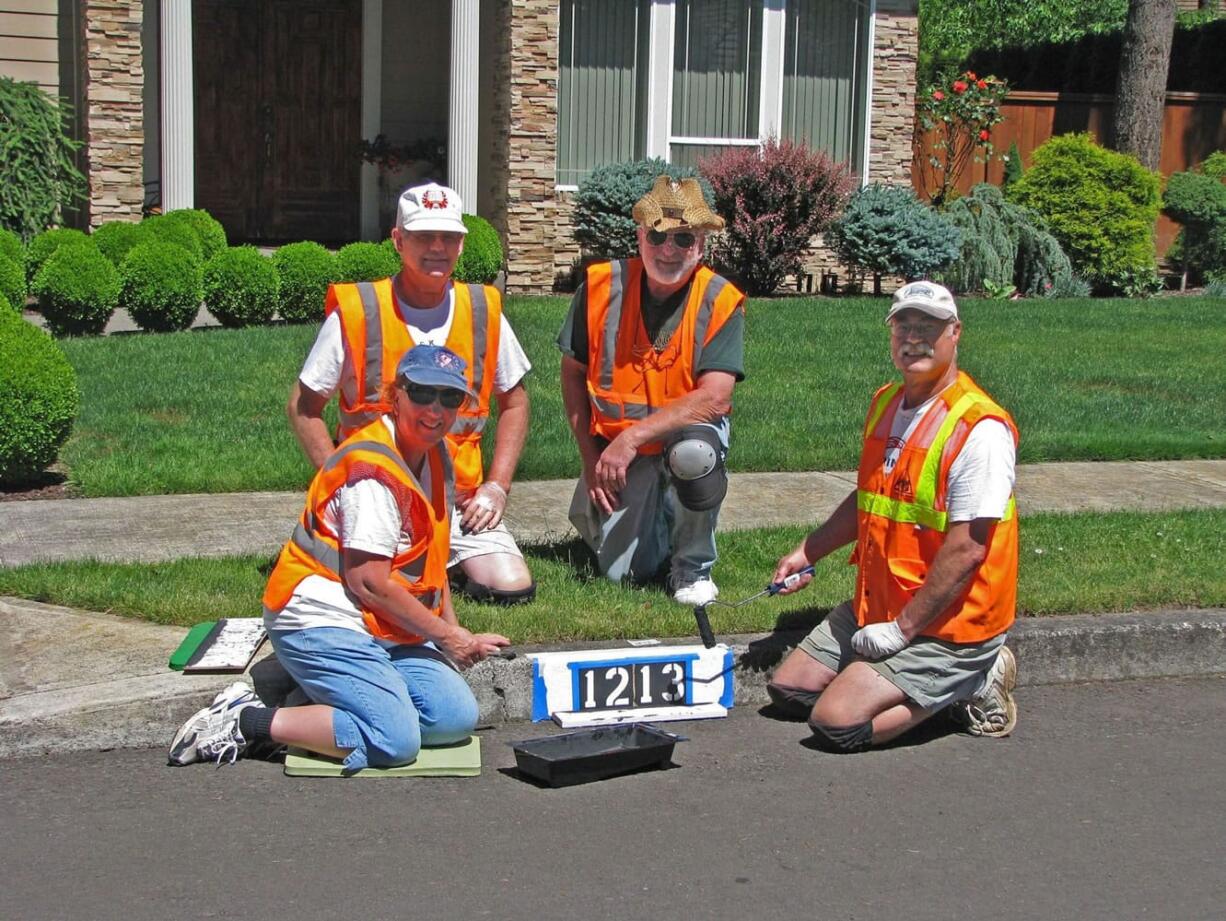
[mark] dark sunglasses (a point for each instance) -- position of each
(447, 396)
(683, 240)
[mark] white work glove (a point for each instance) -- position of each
(876, 641)
(484, 509)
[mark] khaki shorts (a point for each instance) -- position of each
(931, 672)
(491, 540)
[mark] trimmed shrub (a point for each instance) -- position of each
(208, 230)
(37, 174)
(1101, 206)
(240, 287)
(774, 200)
(165, 229)
(77, 290)
(12, 248)
(46, 243)
(366, 262)
(12, 283)
(116, 238)
(481, 260)
(603, 205)
(1215, 166)
(38, 399)
(1013, 166)
(886, 230)
(160, 286)
(1198, 202)
(304, 271)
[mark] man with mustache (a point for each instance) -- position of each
(652, 348)
(935, 529)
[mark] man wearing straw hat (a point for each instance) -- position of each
(652, 348)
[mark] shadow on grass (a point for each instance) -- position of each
(577, 557)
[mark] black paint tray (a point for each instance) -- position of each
(594, 754)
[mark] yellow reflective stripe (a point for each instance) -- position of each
(905, 512)
(926, 488)
(1010, 510)
(877, 410)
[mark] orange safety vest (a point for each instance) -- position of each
(902, 517)
(627, 380)
(314, 550)
(376, 337)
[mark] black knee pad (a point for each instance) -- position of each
(694, 459)
(794, 703)
(478, 592)
(844, 738)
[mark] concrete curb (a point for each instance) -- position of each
(144, 707)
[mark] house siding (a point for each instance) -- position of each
(29, 42)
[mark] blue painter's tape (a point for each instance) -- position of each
(540, 706)
(725, 699)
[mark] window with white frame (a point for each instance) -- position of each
(681, 79)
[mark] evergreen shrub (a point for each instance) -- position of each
(1198, 202)
(160, 286)
(1100, 205)
(38, 399)
(240, 287)
(37, 174)
(774, 200)
(77, 290)
(886, 230)
(304, 270)
(208, 230)
(46, 243)
(367, 261)
(116, 238)
(603, 223)
(1215, 166)
(12, 248)
(12, 283)
(481, 260)
(167, 229)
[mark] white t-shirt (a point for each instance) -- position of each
(367, 517)
(981, 476)
(326, 365)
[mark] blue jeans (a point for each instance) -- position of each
(387, 702)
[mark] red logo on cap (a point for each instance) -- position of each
(428, 201)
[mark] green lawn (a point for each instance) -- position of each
(202, 411)
(1069, 564)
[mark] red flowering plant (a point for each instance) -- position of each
(955, 120)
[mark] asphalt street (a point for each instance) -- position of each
(1108, 802)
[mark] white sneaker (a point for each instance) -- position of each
(696, 593)
(212, 733)
(993, 712)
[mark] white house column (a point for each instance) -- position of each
(178, 112)
(463, 96)
(660, 79)
(372, 114)
(770, 102)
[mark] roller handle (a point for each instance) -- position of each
(776, 587)
(704, 625)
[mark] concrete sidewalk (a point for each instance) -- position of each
(73, 680)
(154, 528)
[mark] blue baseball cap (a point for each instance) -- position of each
(434, 366)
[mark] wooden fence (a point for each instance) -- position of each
(1194, 126)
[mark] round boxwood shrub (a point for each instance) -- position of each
(166, 229)
(116, 238)
(305, 270)
(208, 230)
(38, 399)
(240, 287)
(366, 262)
(481, 260)
(1101, 205)
(12, 283)
(12, 248)
(46, 243)
(77, 290)
(160, 286)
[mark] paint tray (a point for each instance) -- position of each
(594, 754)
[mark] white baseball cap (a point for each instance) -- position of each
(927, 297)
(430, 207)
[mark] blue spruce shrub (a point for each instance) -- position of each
(886, 230)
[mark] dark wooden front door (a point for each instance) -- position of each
(278, 117)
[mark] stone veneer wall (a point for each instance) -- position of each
(114, 119)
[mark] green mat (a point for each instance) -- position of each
(460, 760)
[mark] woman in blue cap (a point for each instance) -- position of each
(358, 607)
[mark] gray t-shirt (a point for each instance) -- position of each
(725, 351)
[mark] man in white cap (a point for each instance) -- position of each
(368, 326)
(652, 348)
(935, 528)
